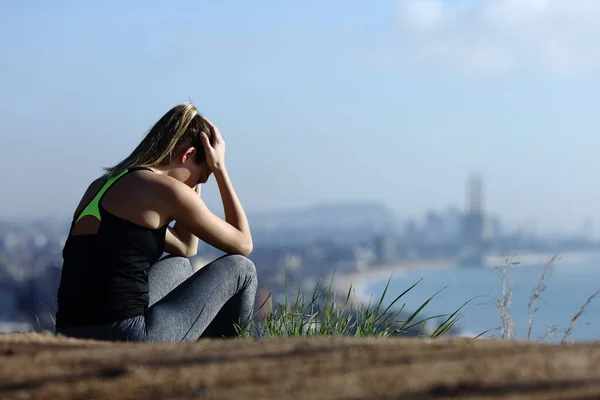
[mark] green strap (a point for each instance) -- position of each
(93, 207)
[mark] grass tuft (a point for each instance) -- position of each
(323, 314)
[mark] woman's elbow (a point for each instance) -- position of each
(245, 248)
(189, 253)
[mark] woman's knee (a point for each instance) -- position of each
(243, 264)
(173, 259)
(170, 262)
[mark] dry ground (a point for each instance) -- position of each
(34, 366)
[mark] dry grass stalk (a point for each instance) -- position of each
(550, 332)
(578, 315)
(541, 286)
(504, 303)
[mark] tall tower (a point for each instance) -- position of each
(473, 226)
(475, 195)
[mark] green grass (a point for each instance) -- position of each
(322, 314)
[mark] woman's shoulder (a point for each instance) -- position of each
(158, 191)
(159, 184)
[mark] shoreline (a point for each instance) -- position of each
(357, 280)
(360, 278)
(537, 259)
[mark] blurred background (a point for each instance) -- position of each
(414, 140)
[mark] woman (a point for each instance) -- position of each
(114, 286)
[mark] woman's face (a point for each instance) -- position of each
(193, 173)
(200, 175)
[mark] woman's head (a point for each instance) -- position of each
(173, 145)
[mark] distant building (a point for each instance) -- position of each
(385, 248)
(474, 219)
(434, 227)
(474, 224)
(41, 300)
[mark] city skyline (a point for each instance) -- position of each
(585, 227)
(396, 102)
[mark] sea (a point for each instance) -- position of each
(570, 282)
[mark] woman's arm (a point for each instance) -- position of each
(234, 212)
(191, 212)
(231, 235)
(180, 241)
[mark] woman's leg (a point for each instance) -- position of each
(220, 294)
(165, 275)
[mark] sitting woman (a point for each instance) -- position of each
(114, 284)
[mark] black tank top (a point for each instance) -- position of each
(105, 275)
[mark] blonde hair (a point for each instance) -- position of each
(177, 130)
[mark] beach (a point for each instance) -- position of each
(386, 271)
(358, 280)
(537, 259)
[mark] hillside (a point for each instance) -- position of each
(344, 221)
(44, 367)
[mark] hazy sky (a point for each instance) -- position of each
(319, 101)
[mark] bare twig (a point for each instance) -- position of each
(500, 302)
(536, 294)
(579, 314)
(509, 325)
(504, 303)
(550, 332)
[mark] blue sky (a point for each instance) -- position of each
(391, 101)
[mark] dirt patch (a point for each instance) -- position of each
(45, 367)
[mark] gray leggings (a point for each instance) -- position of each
(184, 305)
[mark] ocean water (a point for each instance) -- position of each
(568, 286)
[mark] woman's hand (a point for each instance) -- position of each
(230, 236)
(215, 153)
